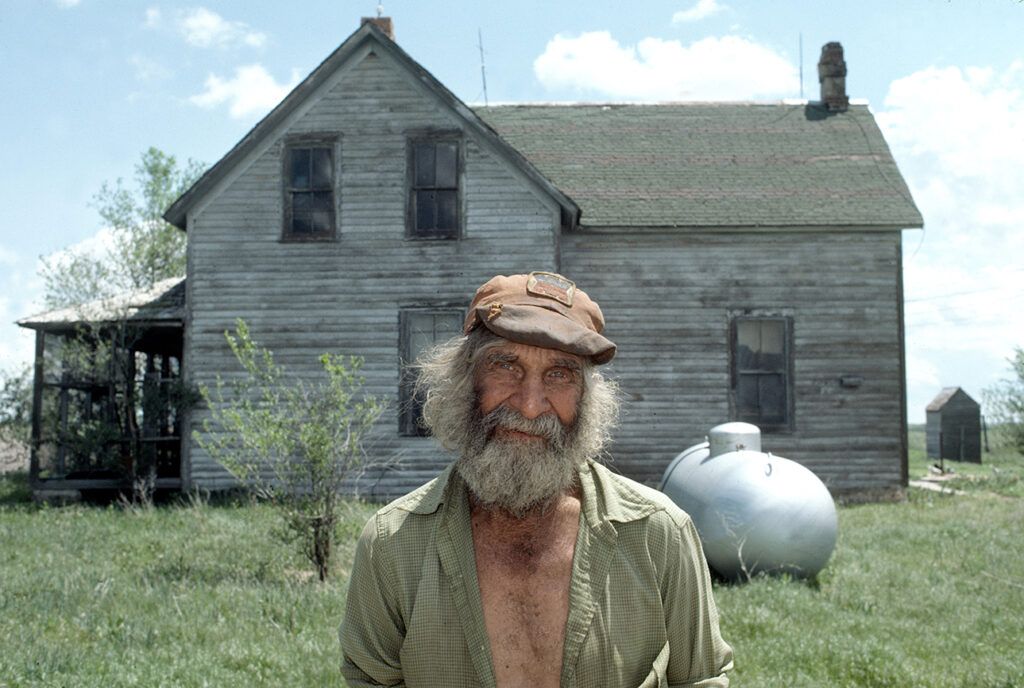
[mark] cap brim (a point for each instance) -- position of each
(538, 326)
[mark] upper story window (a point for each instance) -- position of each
(434, 188)
(420, 329)
(762, 371)
(309, 198)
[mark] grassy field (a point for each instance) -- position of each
(928, 592)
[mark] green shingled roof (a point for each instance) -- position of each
(712, 165)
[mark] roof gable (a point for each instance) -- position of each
(948, 394)
(713, 164)
(367, 38)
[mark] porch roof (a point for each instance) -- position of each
(161, 304)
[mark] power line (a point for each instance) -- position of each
(953, 294)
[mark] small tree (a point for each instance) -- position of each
(144, 248)
(16, 408)
(1004, 404)
(294, 441)
(105, 392)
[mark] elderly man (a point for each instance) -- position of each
(526, 563)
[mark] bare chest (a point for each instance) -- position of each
(524, 590)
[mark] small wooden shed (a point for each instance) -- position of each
(953, 429)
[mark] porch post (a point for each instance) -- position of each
(37, 410)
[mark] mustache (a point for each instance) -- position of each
(546, 426)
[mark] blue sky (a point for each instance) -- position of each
(90, 84)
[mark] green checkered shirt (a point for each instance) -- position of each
(641, 611)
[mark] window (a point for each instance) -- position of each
(434, 189)
(762, 377)
(309, 190)
(420, 329)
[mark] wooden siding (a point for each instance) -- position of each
(958, 426)
(304, 298)
(668, 300)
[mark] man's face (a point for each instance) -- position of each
(530, 380)
(523, 449)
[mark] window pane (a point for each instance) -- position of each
(772, 396)
(302, 203)
(746, 397)
(419, 341)
(323, 201)
(422, 330)
(424, 164)
(748, 341)
(301, 210)
(447, 325)
(446, 166)
(772, 332)
(322, 172)
(425, 211)
(322, 222)
(446, 213)
(772, 355)
(299, 168)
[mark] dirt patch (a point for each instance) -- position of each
(935, 486)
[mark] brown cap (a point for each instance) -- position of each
(542, 309)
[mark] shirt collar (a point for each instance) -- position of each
(609, 498)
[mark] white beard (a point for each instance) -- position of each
(520, 475)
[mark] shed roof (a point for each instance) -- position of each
(164, 302)
(943, 398)
(713, 164)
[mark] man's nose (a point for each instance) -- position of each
(531, 398)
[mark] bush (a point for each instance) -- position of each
(295, 442)
(16, 405)
(1004, 404)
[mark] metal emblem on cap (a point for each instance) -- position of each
(552, 286)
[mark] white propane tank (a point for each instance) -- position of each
(755, 512)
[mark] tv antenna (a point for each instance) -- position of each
(380, 10)
(483, 67)
(801, 66)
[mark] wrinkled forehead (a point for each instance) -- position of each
(527, 355)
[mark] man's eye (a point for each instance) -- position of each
(503, 366)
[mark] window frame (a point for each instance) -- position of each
(408, 418)
(789, 422)
(310, 141)
(413, 139)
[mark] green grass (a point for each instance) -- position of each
(187, 595)
(1001, 470)
(928, 592)
(925, 593)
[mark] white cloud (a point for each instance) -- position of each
(204, 28)
(68, 3)
(252, 91)
(8, 258)
(20, 296)
(726, 68)
(147, 69)
(702, 10)
(98, 246)
(153, 17)
(958, 135)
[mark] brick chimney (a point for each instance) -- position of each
(832, 77)
(383, 23)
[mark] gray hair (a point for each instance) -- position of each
(446, 383)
